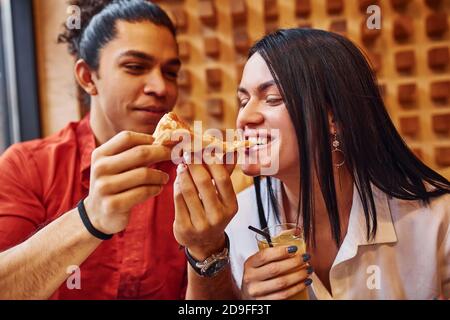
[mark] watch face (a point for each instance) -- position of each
(216, 267)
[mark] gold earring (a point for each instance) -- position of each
(336, 150)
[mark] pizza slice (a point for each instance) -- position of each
(171, 123)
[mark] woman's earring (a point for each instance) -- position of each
(339, 154)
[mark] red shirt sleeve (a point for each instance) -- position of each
(21, 209)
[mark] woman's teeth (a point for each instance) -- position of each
(262, 141)
(258, 141)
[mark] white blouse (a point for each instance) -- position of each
(408, 259)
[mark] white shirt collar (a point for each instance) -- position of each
(414, 266)
(357, 233)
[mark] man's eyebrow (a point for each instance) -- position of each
(261, 88)
(144, 56)
(174, 62)
(137, 54)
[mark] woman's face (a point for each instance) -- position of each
(263, 117)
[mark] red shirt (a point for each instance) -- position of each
(42, 179)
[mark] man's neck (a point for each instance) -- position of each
(99, 124)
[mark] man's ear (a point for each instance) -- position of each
(84, 77)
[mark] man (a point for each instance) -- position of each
(128, 65)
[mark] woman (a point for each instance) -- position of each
(375, 218)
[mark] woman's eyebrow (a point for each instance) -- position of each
(242, 90)
(261, 88)
(266, 85)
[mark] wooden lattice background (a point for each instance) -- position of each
(410, 54)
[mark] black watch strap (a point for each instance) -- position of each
(87, 223)
(194, 263)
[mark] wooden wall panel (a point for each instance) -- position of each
(57, 90)
(409, 53)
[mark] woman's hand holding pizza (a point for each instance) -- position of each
(205, 202)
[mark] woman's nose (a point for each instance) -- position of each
(249, 116)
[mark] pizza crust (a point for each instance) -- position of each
(170, 123)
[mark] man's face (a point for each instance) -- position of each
(137, 77)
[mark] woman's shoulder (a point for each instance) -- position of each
(438, 207)
(417, 217)
(441, 203)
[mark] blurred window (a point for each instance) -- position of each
(4, 130)
(19, 109)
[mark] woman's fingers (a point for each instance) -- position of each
(182, 225)
(192, 200)
(289, 292)
(224, 186)
(269, 255)
(203, 182)
(278, 268)
(278, 284)
(275, 273)
(230, 161)
(203, 203)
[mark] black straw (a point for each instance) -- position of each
(264, 234)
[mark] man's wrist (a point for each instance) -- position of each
(95, 219)
(88, 223)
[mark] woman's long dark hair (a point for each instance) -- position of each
(317, 73)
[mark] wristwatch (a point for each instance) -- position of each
(212, 265)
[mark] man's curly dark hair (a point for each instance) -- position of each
(98, 28)
(72, 37)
